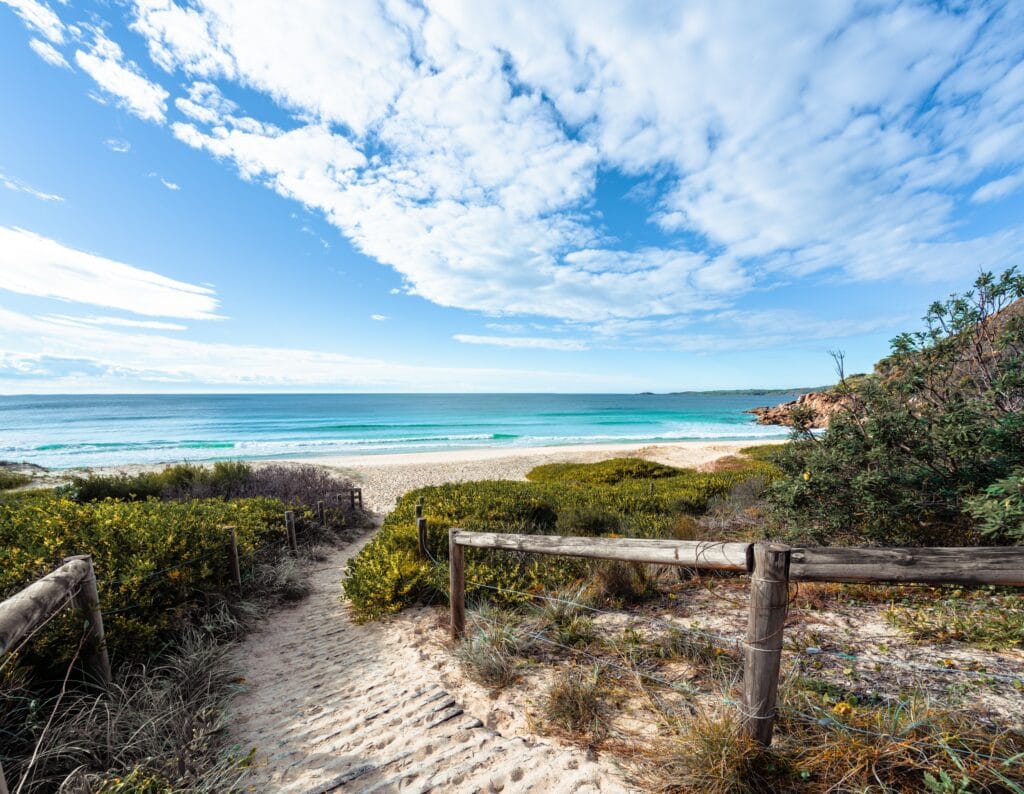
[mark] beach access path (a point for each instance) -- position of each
(330, 705)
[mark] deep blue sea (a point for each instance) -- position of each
(110, 430)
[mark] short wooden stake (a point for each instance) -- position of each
(457, 586)
(769, 597)
(289, 523)
(352, 498)
(233, 561)
(421, 537)
(87, 603)
(419, 510)
(321, 513)
(359, 497)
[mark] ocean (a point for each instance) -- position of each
(111, 430)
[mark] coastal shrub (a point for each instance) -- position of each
(155, 561)
(298, 486)
(939, 422)
(387, 575)
(13, 479)
(999, 511)
(576, 702)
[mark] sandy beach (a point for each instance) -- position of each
(384, 478)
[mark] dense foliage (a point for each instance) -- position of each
(154, 560)
(625, 497)
(939, 422)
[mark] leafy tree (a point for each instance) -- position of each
(940, 420)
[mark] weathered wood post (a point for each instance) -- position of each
(421, 536)
(321, 513)
(233, 561)
(419, 508)
(769, 597)
(456, 586)
(352, 498)
(289, 523)
(359, 495)
(87, 603)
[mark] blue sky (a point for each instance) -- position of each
(445, 196)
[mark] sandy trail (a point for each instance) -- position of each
(334, 706)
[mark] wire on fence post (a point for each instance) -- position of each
(762, 659)
(289, 524)
(87, 602)
(457, 586)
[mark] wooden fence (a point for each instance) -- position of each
(771, 567)
(74, 584)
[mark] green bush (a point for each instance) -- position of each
(577, 499)
(999, 511)
(940, 421)
(155, 561)
(13, 479)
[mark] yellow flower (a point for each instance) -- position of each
(807, 476)
(842, 708)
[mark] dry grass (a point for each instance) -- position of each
(576, 702)
(491, 649)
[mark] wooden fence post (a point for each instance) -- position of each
(352, 498)
(419, 509)
(321, 513)
(289, 523)
(359, 494)
(421, 537)
(457, 586)
(87, 602)
(233, 561)
(769, 597)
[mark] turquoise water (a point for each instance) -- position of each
(66, 431)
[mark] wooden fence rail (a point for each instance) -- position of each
(771, 567)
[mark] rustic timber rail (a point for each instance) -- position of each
(771, 567)
(72, 584)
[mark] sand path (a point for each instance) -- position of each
(334, 706)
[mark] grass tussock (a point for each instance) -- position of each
(491, 651)
(576, 702)
(159, 728)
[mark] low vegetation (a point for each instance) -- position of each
(169, 602)
(13, 479)
(622, 497)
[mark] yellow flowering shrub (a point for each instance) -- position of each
(154, 560)
(625, 497)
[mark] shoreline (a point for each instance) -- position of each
(384, 478)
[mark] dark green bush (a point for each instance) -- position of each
(999, 511)
(940, 421)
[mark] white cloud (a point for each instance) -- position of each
(48, 53)
(21, 187)
(462, 144)
(999, 188)
(167, 362)
(39, 17)
(119, 322)
(31, 264)
(119, 145)
(530, 342)
(105, 63)
(169, 185)
(379, 317)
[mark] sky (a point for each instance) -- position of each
(250, 195)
